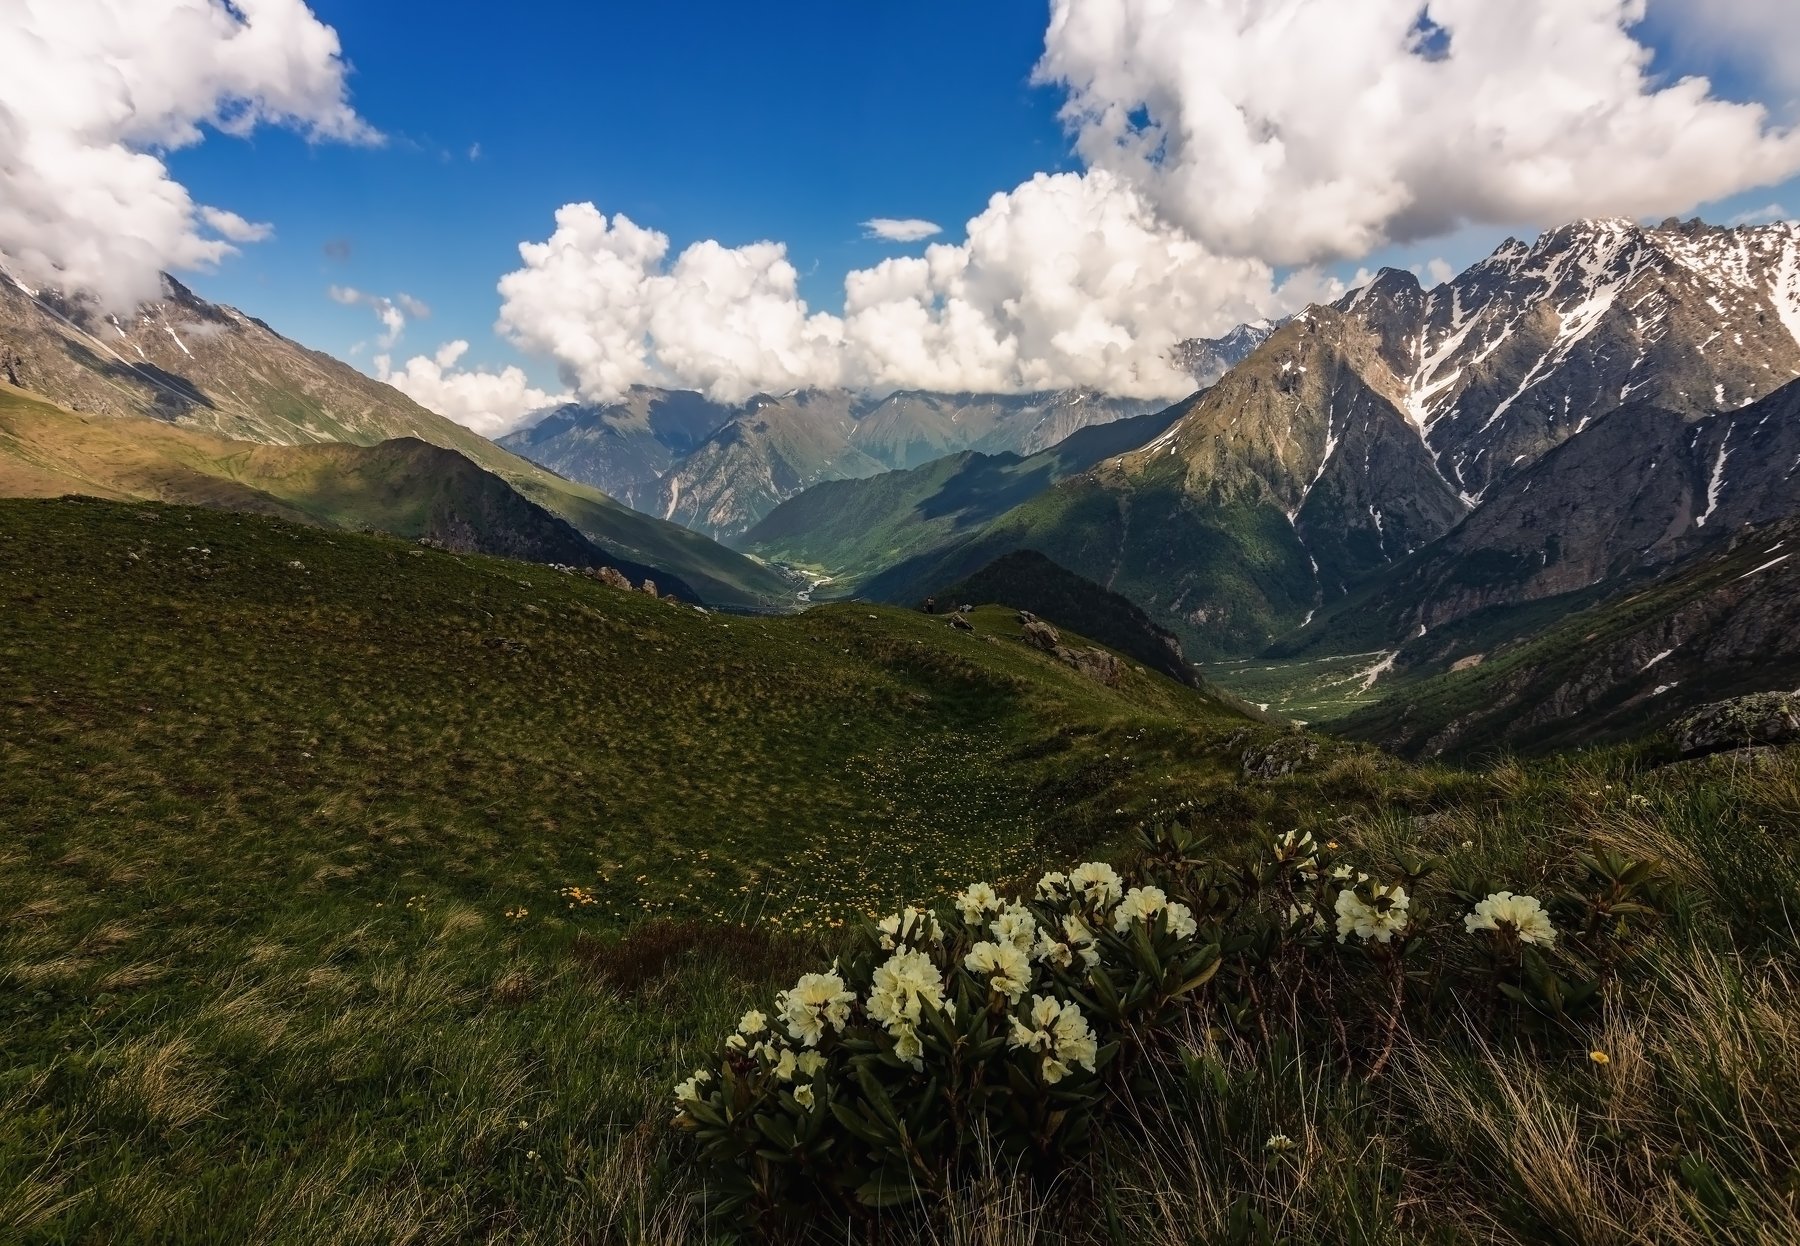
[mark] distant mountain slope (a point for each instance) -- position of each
(1282, 486)
(1719, 625)
(770, 450)
(719, 468)
(855, 529)
(215, 370)
(1531, 345)
(1206, 359)
(405, 487)
(1026, 580)
(1641, 487)
(623, 448)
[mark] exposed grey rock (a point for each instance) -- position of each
(1280, 757)
(1765, 718)
(1042, 636)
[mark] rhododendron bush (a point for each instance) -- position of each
(1002, 1029)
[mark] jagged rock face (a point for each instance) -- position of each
(1206, 359)
(1309, 425)
(622, 448)
(1532, 345)
(1641, 487)
(772, 449)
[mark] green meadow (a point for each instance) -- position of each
(352, 891)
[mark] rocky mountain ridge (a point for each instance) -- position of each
(214, 370)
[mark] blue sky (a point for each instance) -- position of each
(702, 120)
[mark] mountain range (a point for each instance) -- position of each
(1441, 477)
(1562, 409)
(719, 468)
(213, 371)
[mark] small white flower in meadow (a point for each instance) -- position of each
(1523, 915)
(803, 1095)
(976, 901)
(1468, 843)
(1053, 886)
(1279, 1143)
(1098, 883)
(1344, 874)
(1005, 967)
(1139, 904)
(903, 987)
(1016, 926)
(1303, 913)
(689, 1091)
(1372, 919)
(754, 1022)
(817, 1000)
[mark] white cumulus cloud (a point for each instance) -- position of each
(1305, 130)
(93, 89)
(909, 229)
(392, 312)
(1232, 146)
(491, 403)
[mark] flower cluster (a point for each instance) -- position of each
(1005, 1008)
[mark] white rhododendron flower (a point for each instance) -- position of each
(908, 1047)
(817, 1000)
(1372, 919)
(1181, 921)
(786, 1065)
(1139, 904)
(1005, 966)
(903, 987)
(1016, 926)
(1081, 937)
(737, 1042)
(754, 1022)
(1050, 952)
(976, 901)
(1054, 886)
(1097, 883)
(1304, 914)
(689, 1091)
(1060, 1033)
(1298, 849)
(1522, 915)
(909, 926)
(810, 1062)
(803, 1095)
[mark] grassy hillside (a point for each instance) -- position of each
(1026, 580)
(274, 790)
(357, 892)
(407, 486)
